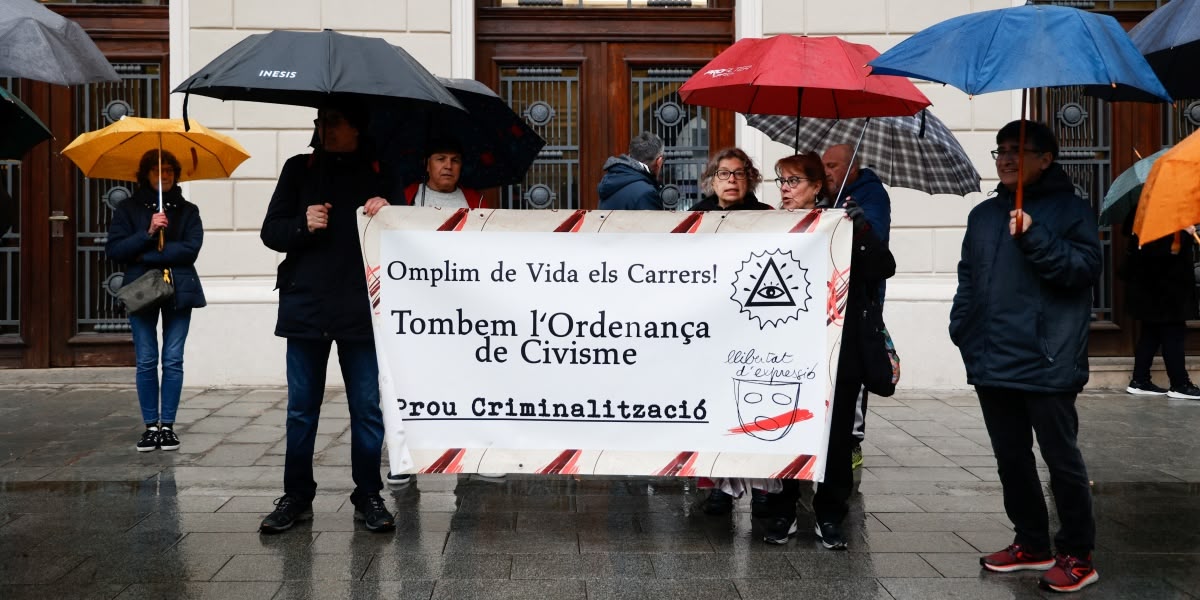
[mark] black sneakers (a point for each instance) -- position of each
(167, 440)
(831, 535)
(1187, 391)
(1144, 388)
(374, 514)
(288, 510)
(717, 503)
(149, 440)
(780, 529)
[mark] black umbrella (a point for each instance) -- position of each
(22, 129)
(38, 43)
(311, 68)
(498, 146)
(1170, 40)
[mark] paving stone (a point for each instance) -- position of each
(855, 565)
(355, 590)
(233, 455)
(257, 567)
(205, 590)
(582, 566)
(132, 568)
(217, 424)
(720, 566)
(915, 456)
(905, 541)
(943, 522)
(661, 589)
(511, 542)
(457, 589)
(825, 589)
(440, 567)
(889, 504)
(257, 434)
(924, 474)
(35, 568)
(244, 543)
(1020, 586)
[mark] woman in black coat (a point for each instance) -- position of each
(133, 240)
(1160, 291)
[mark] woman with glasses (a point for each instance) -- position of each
(801, 181)
(728, 183)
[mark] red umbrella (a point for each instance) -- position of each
(823, 77)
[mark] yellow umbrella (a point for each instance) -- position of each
(114, 152)
(1170, 200)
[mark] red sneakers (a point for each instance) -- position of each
(1070, 574)
(1017, 558)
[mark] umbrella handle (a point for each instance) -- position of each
(1020, 201)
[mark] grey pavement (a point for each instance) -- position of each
(83, 515)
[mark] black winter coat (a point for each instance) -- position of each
(1160, 287)
(130, 244)
(871, 264)
(1021, 314)
(627, 185)
(750, 202)
(322, 282)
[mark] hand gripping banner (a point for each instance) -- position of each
(607, 342)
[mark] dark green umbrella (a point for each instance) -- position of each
(1125, 190)
(20, 129)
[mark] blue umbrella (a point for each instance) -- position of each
(1023, 47)
(1026, 47)
(1170, 40)
(1125, 190)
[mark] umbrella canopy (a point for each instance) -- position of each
(114, 151)
(38, 43)
(1123, 194)
(1170, 40)
(916, 152)
(824, 77)
(307, 68)
(1027, 46)
(22, 129)
(498, 146)
(1170, 200)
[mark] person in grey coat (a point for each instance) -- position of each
(630, 180)
(1020, 318)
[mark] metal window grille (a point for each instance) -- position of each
(548, 98)
(10, 241)
(656, 108)
(97, 278)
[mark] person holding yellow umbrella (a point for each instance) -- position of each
(156, 230)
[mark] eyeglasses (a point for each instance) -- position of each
(1004, 154)
(737, 175)
(789, 181)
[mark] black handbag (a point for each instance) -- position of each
(880, 361)
(148, 292)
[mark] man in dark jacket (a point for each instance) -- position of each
(323, 299)
(1020, 318)
(630, 181)
(870, 263)
(862, 186)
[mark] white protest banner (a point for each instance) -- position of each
(613, 352)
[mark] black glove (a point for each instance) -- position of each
(855, 213)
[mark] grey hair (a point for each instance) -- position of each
(646, 147)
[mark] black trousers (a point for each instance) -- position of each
(1012, 418)
(1168, 336)
(832, 501)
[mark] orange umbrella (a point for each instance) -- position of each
(1170, 200)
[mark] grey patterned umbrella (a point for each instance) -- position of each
(38, 43)
(916, 152)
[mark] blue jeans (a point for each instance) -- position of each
(145, 347)
(306, 363)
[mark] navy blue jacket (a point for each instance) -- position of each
(322, 282)
(868, 192)
(130, 244)
(627, 185)
(1023, 307)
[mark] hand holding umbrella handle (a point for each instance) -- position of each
(1020, 222)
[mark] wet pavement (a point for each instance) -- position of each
(82, 515)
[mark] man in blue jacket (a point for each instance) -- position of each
(630, 181)
(1020, 318)
(864, 187)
